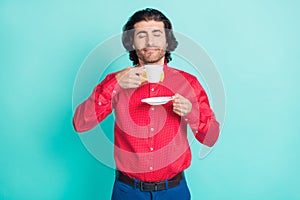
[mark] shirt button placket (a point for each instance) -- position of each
(151, 158)
(152, 89)
(152, 93)
(151, 154)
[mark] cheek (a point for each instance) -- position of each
(139, 44)
(161, 43)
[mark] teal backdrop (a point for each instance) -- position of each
(254, 44)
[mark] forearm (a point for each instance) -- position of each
(202, 119)
(88, 115)
(99, 104)
(205, 127)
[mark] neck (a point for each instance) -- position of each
(160, 62)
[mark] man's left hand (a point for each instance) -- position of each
(181, 105)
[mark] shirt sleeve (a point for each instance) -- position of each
(201, 119)
(98, 105)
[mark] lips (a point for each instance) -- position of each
(151, 49)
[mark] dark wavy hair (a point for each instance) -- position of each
(147, 15)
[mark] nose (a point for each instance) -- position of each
(150, 40)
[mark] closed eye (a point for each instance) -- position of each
(157, 33)
(141, 34)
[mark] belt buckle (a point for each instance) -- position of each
(143, 190)
(142, 186)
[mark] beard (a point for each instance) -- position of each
(150, 55)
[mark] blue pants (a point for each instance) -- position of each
(122, 191)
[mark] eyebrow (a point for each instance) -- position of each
(157, 30)
(140, 32)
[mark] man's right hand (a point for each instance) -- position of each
(130, 77)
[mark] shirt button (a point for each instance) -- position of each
(186, 119)
(99, 103)
(152, 129)
(151, 149)
(114, 91)
(152, 108)
(196, 131)
(152, 89)
(151, 168)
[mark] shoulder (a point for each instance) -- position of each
(189, 77)
(192, 79)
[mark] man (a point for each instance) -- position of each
(151, 147)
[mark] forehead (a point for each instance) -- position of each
(149, 24)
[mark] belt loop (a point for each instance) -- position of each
(167, 184)
(134, 185)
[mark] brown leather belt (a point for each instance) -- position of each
(150, 186)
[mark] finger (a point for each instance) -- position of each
(182, 105)
(181, 109)
(135, 81)
(178, 98)
(178, 112)
(181, 101)
(138, 71)
(133, 85)
(130, 82)
(177, 107)
(131, 74)
(126, 74)
(122, 74)
(135, 78)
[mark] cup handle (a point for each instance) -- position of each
(144, 77)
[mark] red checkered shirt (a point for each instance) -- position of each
(150, 141)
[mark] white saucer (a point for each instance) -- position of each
(157, 100)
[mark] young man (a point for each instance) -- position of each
(151, 147)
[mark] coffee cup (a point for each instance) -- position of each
(153, 73)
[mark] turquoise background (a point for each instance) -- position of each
(255, 45)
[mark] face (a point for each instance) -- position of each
(150, 42)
